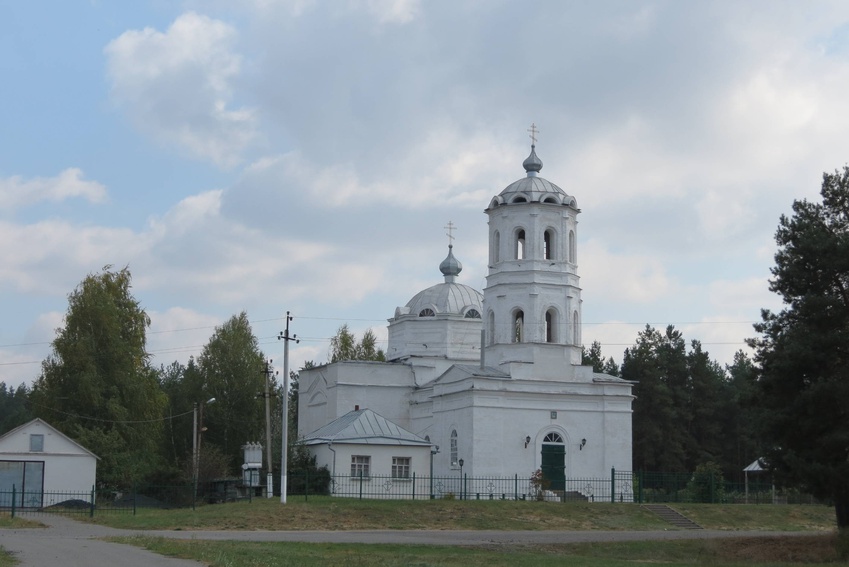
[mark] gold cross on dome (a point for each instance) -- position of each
(533, 130)
(450, 228)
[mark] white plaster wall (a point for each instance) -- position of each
(382, 387)
(67, 467)
(533, 284)
(450, 336)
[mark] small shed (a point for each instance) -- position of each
(363, 445)
(44, 466)
(757, 466)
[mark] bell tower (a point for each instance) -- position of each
(532, 299)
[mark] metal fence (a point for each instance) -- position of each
(110, 501)
(620, 486)
(617, 488)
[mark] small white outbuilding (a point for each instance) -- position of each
(44, 466)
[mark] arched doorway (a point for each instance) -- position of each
(553, 462)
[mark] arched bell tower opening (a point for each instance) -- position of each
(533, 294)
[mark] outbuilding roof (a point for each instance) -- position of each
(363, 426)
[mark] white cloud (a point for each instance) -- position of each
(58, 254)
(631, 278)
(393, 11)
(18, 192)
(178, 86)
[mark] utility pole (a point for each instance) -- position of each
(284, 336)
(269, 477)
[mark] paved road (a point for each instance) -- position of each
(67, 542)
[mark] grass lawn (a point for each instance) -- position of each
(815, 549)
(327, 513)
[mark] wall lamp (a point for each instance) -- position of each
(527, 440)
(581, 446)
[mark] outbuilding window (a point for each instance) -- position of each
(401, 467)
(36, 443)
(360, 465)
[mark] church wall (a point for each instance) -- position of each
(493, 422)
(382, 387)
(452, 337)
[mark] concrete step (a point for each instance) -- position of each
(671, 516)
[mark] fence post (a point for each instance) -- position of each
(613, 484)
(91, 507)
(465, 476)
(13, 500)
(640, 487)
(414, 485)
(361, 484)
(515, 486)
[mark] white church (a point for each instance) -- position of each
(490, 384)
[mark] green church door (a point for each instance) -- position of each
(554, 461)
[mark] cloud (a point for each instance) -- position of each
(178, 87)
(17, 192)
(58, 254)
(627, 278)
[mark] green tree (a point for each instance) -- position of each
(344, 346)
(744, 446)
(183, 385)
(659, 443)
(13, 407)
(593, 357)
(803, 350)
(682, 404)
(231, 369)
(97, 386)
(707, 484)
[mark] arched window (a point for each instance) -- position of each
(552, 438)
(573, 256)
(551, 326)
(520, 245)
(519, 326)
(427, 312)
(576, 337)
(496, 247)
(548, 245)
(491, 329)
(453, 446)
(472, 314)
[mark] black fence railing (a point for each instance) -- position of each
(620, 486)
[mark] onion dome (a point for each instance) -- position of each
(450, 266)
(448, 298)
(532, 188)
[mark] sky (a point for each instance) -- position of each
(305, 156)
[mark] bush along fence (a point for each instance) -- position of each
(621, 486)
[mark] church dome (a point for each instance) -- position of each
(447, 298)
(532, 188)
(450, 297)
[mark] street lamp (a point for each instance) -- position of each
(434, 449)
(460, 462)
(196, 441)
